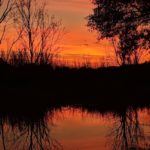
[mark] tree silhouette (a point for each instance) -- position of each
(5, 8)
(127, 22)
(40, 31)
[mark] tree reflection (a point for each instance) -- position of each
(27, 134)
(127, 132)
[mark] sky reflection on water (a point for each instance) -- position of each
(76, 128)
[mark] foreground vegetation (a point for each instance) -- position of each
(34, 83)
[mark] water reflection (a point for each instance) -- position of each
(127, 132)
(27, 132)
(76, 128)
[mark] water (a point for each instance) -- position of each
(72, 128)
(77, 129)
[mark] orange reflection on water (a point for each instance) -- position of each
(76, 129)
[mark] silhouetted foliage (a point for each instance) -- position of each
(126, 21)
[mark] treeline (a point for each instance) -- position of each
(34, 34)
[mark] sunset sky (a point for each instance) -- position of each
(79, 43)
(79, 40)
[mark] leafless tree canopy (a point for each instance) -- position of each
(40, 32)
(36, 32)
(5, 8)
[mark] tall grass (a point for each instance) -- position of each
(22, 57)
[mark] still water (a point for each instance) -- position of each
(71, 128)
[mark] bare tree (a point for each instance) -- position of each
(41, 32)
(5, 8)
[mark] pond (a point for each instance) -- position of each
(77, 128)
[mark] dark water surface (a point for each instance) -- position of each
(77, 128)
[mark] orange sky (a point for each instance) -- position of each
(79, 40)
